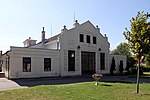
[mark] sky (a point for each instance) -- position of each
(21, 19)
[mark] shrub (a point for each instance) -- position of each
(146, 68)
(113, 65)
(133, 70)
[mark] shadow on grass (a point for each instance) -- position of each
(106, 85)
(140, 94)
(144, 94)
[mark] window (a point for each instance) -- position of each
(71, 60)
(102, 61)
(81, 38)
(94, 40)
(6, 64)
(1, 62)
(26, 64)
(88, 39)
(47, 64)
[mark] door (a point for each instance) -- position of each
(88, 62)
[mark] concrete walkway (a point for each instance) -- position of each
(6, 84)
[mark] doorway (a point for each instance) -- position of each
(88, 62)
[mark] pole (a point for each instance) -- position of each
(138, 74)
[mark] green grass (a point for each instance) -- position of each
(80, 91)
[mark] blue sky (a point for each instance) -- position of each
(21, 19)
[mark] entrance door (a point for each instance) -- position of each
(88, 62)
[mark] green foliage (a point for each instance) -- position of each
(147, 59)
(130, 63)
(139, 35)
(113, 66)
(122, 49)
(139, 38)
(146, 68)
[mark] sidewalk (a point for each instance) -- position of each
(6, 84)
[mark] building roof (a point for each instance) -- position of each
(53, 38)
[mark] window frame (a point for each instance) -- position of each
(26, 64)
(102, 61)
(47, 64)
(94, 40)
(88, 39)
(71, 60)
(81, 37)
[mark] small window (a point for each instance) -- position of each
(94, 40)
(102, 61)
(88, 39)
(26, 64)
(1, 62)
(71, 60)
(81, 38)
(47, 64)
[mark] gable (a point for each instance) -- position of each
(88, 26)
(88, 23)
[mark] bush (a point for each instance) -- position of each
(146, 68)
(130, 63)
(133, 70)
(113, 65)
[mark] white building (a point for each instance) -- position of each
(76, 51)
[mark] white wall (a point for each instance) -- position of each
(37, 62)
(51, 45)
(4, 59)
(117, 61)
(70, 41)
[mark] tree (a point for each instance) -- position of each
(122, 49)
(130, 63)
(139, 38)
(147, 59)
(113, 65)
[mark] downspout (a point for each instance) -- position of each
(8, 63)
(58, 48)
(59, 63)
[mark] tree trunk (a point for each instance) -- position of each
(138, 74)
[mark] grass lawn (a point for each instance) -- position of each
(79, 91)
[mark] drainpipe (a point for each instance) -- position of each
(8, 63)
(59, 63)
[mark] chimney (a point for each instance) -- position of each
(76, 24)
(98, 28)
(29, 42)
(43, 35)
(64, 29)
(1, 53)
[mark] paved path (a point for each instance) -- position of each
(6, 84)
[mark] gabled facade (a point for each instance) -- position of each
(76, 51)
